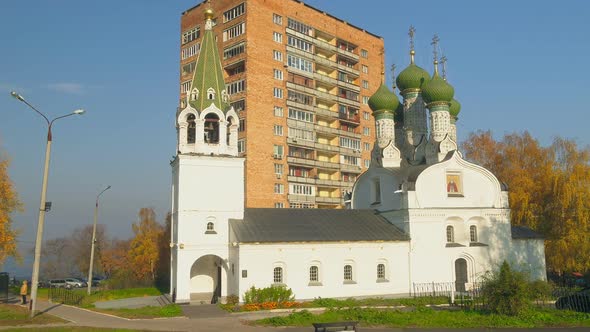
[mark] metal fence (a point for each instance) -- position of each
(4, 286)
(65, 296)
(466, 296)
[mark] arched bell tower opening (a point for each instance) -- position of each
(211, 128)
(191, 129)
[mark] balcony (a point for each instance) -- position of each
(329, 200)
(328, 183)
(348, 69)
(301, 198)
(327, 165)
(349, 117)
(324, 112)
(350, 168)
(348, 54)
(301, 179)
(301, 161)
(301, 106)
(329, 80)
(301, 142)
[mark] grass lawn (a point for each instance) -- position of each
(429, 318)
(116, 294)
(12, 315)
(171, 310)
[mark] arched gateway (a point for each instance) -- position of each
(206, 277)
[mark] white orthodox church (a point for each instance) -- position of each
(420, 213)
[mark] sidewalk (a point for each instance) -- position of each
(200, 321)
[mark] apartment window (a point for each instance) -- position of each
(241, 146)
(236, 69)
(350, 143)
(301, 153)
(349, 160)
(297, 205)
(277, 37)
(279, 205)
(365, 69)
(236, 87)
(300, 80)
(185, 86)
(314, 274)
(277, 275)
(367, 163)
(299, 63)
(342, 76)
(299, 27)
(299, 43)
(299, 171)
(190, 51)
(367, 146)
(348, 94)
(364, 53)
(277, 19)
(278, 111)
(300, 115)
(381, 271)
(348, 273)
(234, 31)
(234, 50)
(279, 188)
(366, 116)
(278, 93)
(473, 233)
(242, 126)
(450, 234)
(239, 105)
(278, 151)
(365, 100)
(278, 130)
(279, 169)
(301, 98)
(278, 74)
(277, 55)
(348, 177)
(188, 68)
(296, 133)
(190, 35)
(365, 84)
(234, 12)
(301, 189)
(366, 131)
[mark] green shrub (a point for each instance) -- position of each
(232, 299)
(506, 291)
(276, 294)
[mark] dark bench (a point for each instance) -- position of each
(336, 326)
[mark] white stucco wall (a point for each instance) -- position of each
(260, 259)
(364, 190)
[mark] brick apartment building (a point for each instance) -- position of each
(299, 79)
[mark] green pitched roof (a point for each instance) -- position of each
(208, 74)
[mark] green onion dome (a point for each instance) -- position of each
(437, 90)
(455, 108)
(413, 77)
(398, 116)
(383, 100)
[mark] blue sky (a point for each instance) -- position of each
(515, 65)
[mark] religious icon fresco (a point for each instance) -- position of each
(454, 185)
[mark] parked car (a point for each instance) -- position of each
(43, 284)
(74, 282)
(59, 283)
(578, 301)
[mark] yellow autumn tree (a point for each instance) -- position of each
(143, 253)
(548, 191)
(8, 204)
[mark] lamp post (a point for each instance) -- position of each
(38, 242)
(94, 240)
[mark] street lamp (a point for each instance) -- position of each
(35, 277)
(94, 240)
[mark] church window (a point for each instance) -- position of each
(210, 93)
(211, 128)
(380, 271)
(348, 273)
(473, 233)
(194, 94)
(210, 228)
(277, 277)
(314, 274)
(450, 234)
(191, 129)
(376, 191)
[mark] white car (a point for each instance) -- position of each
(74, 283)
